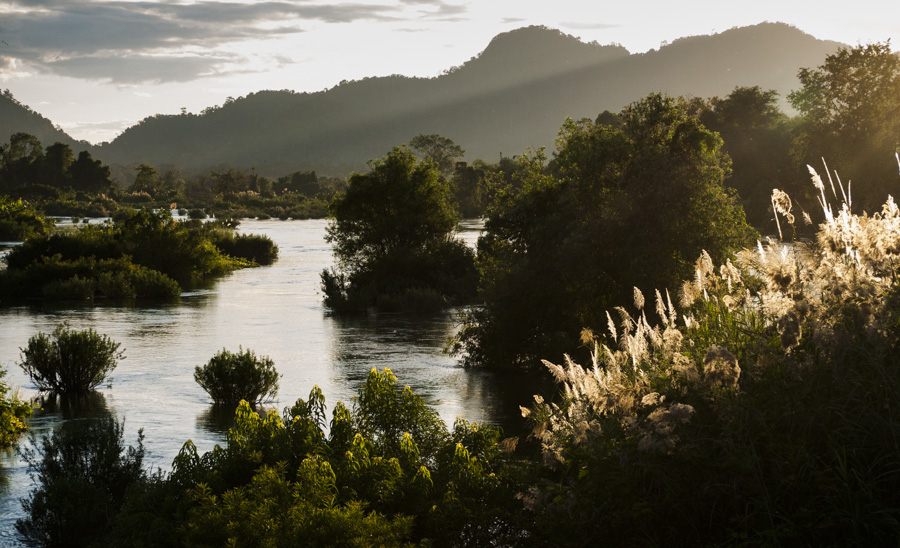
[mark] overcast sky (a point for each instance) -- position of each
(96, 66)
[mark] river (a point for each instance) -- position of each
(274, 310)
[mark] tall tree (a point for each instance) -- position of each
(624, 205)
(392, 231)
(850, 115)
(440, 150)
(90, 175)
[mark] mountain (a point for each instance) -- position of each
(514, 95)
(16, 117)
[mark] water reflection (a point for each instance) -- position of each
(216, 419)
(67, 407)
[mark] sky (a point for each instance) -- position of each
(95, 67)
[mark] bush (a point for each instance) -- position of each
(69, 360)
(229, 378)
(12, 414)
(82, 473)
(257, 248)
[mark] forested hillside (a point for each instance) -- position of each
(512, 96)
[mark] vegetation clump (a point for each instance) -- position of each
(69, 361)
(624, 203)
(231, 377)
(19, 221)
(82, 474)
(13, 413)
(386, 472)
(141, 254)
(392, 233)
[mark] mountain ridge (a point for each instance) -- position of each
(513, 95)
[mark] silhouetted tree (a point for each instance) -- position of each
(850, 115)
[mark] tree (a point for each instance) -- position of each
(440, 150)
(757, 137)
(620, 206)
(392, 232)
(20, 160)
(850, 115)
(57, 160)
(145, 180)
(90, 175)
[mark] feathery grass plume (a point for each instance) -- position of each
(781, 203)
(638, 299)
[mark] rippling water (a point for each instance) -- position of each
(274, 311)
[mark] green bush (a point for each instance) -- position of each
(13, 413)
(74, 288)
(256, 248)
(83, 472)
(68, 360)
(231, 377)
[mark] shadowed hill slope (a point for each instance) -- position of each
(515, 94)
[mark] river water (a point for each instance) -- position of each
(276, 311)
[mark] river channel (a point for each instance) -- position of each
(276, 311)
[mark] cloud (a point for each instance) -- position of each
(128, 42)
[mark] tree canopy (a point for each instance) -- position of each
(392, 231)
(850, 116)
(618, 207)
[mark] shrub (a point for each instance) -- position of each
(82, 473)
(257, 248)
(231, 377)
(74, 288)
(759, 415)
(12, 414)
(68, 360)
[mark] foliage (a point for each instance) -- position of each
(82, 474)
(19, 221)
(759, 415)
(757, 137)
(256, 248)
(618, 206)
(230, 377)
(850, 114)
(85, 278)
(386, 472)
(392, 232)
(438, 149)
(13, 413)
(68, 360)
(142, 254)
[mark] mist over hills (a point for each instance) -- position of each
(514, 95)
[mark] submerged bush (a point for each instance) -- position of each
(82, 473)
(257, 248)
(230, 377)
(68, 360)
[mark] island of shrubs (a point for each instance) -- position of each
(140, 254)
